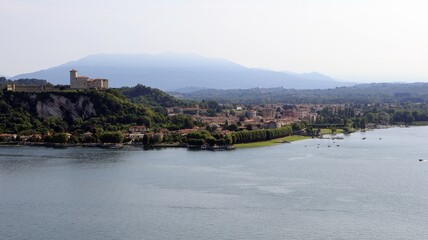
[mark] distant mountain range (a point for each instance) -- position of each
(187, 72)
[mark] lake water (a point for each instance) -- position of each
(363, 189)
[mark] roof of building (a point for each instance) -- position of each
(7, 135)
(141, 126)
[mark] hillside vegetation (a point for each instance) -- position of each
(152, 96)
(72, 111)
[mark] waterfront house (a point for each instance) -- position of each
(138, 129)
(7, 137)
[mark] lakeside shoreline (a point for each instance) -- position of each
(287, 139)
(272, 142)
(294, 138)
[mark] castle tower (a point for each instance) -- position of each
(73, 76)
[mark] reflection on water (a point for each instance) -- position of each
(26, 157)
(362, 189)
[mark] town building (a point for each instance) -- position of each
(274, 124)
(6, 137)
(267, 112)
(250, 114)
(187, 111)
(138, 129)
(134, 136)
(83, 82)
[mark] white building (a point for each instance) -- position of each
(83, 82)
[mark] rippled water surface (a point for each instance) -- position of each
(314, 189)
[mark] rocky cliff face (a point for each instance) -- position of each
(45, 105)
(78, 110)
(61, 106)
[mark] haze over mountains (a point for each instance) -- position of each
(180, 71)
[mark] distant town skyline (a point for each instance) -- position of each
(376, 40)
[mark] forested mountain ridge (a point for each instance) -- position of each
(363, 93)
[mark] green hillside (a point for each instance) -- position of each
(73, 111)
(152, 96)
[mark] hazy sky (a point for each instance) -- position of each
(383, 40)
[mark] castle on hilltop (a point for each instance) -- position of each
(83, 82)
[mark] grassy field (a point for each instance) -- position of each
(422, 123)
(328, 131)
(270, 142)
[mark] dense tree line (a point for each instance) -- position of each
(204, 137)
(377, 114)
(261, 134)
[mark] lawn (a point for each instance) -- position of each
(328, 131)
(270, 142)
(421, 123)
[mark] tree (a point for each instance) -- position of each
(188, 123)
(212, 104)
(383, 118)
(59, 138)
(73, 139)
(195, 142)
(363, 123)
(296, 126)
(111, 137)
(157, 138)
(228, 139)
(146, 139)
(371, 117)
(233, 127)
(211, 141)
